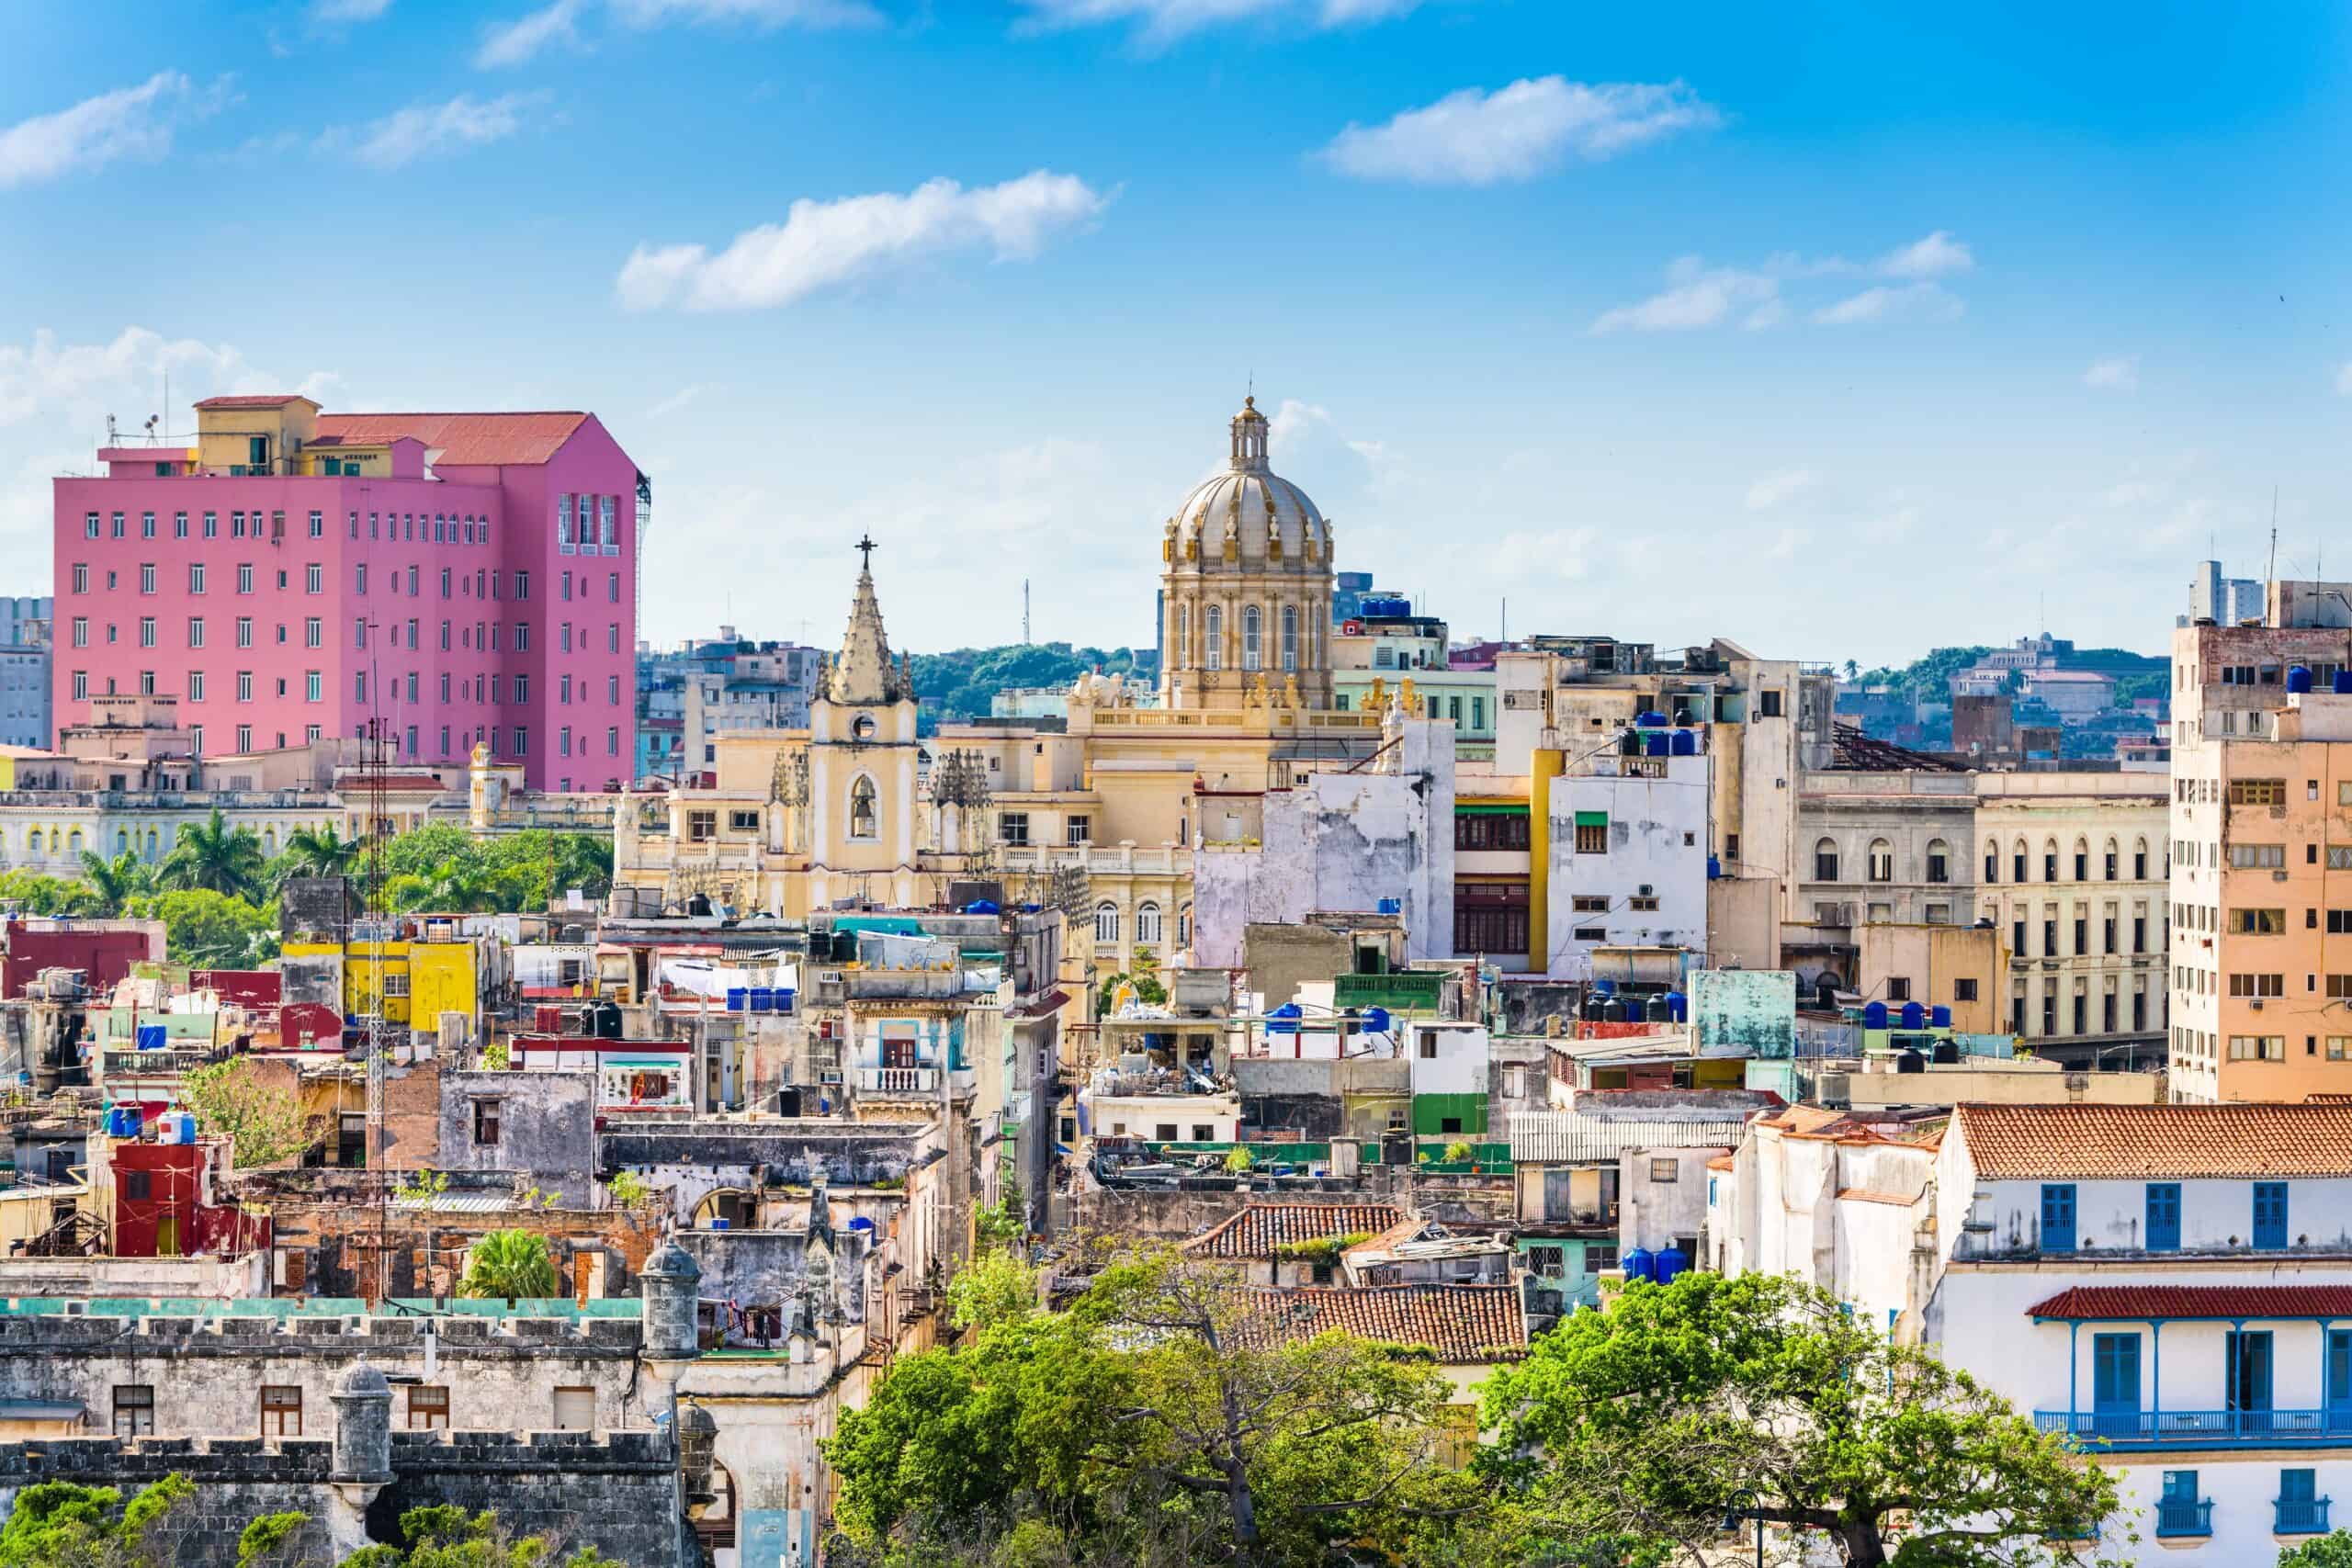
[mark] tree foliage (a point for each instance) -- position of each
(264, 1124)
(2331, 1551)
(215, 857)
(444, 868)
(210, 930)
(511, 1265)
(1160, 1421)
(1643, 1423)
(58, 1524)
(957, 686)
(107, 884)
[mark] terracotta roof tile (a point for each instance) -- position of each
(1259, 1228)
(2125, 1304)
(464, 439)
(1461, 1323)
(2025, 1143)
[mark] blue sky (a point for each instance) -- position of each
(1842, 331)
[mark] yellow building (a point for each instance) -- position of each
(419, 978)
(1102, 817)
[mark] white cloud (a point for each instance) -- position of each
(2344, 379)
(1518, 132)
(1774, 489)
(1911, 303)
(422, 130)
(2121, 375)
(1787, 542)
(823, 243)
(1162, 21)
(349, 10)
(1774, 313)
(130, 122)
(756, 12)
(1932, 257)
(514, 42)
(676, 401)
(1697, 295)
(1523, 554)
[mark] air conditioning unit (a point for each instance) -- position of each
(1647, 891)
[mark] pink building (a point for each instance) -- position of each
(462, 578)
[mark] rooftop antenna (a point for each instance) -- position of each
(1024, 611)
(2274, 533)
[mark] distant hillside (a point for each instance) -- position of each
(2136, 674)
(956, 687)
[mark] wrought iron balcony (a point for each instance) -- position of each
(2185, 1517)
(2300, 1516)
(2129, 1429)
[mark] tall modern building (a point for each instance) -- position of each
(24, 671)
(466, 578)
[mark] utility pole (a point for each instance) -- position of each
(1024, 611)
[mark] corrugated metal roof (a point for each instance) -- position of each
(1568, 1137)
(458, 1203)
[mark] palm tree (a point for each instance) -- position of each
(458, 886)
(318, 851)
(510, 1265)
(215, 856)
(107, 884)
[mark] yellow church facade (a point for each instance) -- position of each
(1102, 817)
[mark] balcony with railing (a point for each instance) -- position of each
(2130, 1430)
(2178, 1517)
(898, 1080)
(2299, 1516)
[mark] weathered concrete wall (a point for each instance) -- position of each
(85, 1278)
(1750, 1012)
(546, 1129)
(206, 1374)
(1281, 958)
(767, 1266)
(1744, 921)
(1342, 842)
(619, 1493)
(1657, 840)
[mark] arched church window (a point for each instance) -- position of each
(1148, 924)
(1106, 921)
(1213, 634)
(1290, 637)
(1252, 649)
(864, 821)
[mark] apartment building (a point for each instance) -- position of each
(461, 579)
(2166, 1284)
(24, 671)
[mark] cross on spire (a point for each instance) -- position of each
(866, 546)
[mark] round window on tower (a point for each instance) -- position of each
(862, 727)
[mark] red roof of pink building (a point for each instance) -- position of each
(463, 439)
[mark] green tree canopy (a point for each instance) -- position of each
(1643, 1423)
(316, 851)
(2330, 1551)
(1162, 1421)
(510, 1265)
(58, 1524)
(208, 928)
(215, 857)
(107, 884)
(264, 1123)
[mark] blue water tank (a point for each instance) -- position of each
(1678, 1006)
(1715, 867)
(983, 907)
(1651, 719)
(1670, 1262)
(151, 1037)
(763, 1000)
(2342, 685)
(861, 1224)
(738, 999)
(1285, 1018)
(1914, 1016)
(1391, 906)
(784, 996)
(178, 1127)
(1686, 742)
(1375, 1021)
(719, 1224)
(1606, 987)
(122, 1120)
(1940, 1016)
(1874, 1015)
(1639, 1264)
(1659, 742)
(2298, 678)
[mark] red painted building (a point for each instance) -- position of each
(106, 948)
(164, 1207)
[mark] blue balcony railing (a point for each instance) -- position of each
(2300, 1516)
(2183, 1515)
(2199, 1428)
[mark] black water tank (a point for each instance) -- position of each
(1946, 1053)
(1613, 1010)
(1910, 1062)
